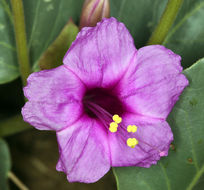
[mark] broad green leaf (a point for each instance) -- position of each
(184, 165)
(139, 16)
(44, 21)
(8, 59)
(46, 18)
(53, 56)
(185, 37)
(5, 164)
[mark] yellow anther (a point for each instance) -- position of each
(132, 128)
(113, 124)
(132, 142)
(113, 127)
(129, 128)
(117, 118)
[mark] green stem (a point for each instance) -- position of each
(21, 43)
(196, 178)
(17, 181)
(165, 22)
(13, 125)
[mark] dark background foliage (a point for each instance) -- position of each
(34, 153)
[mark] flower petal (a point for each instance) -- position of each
(153, 83)
(100, 55)
(54, 99)
(84, 151)
(154, 138)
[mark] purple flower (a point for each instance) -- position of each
(108, 103)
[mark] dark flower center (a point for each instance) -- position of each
(99, 101)
(104, 105)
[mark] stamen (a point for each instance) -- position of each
(97, 113)
(112, 122)
(132, 142)
(117, 118)
(99, 108)
(132, 128)
(161, 153)
(102, 115)
(113, 127)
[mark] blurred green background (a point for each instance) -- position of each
(34, 153)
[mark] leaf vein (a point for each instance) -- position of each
(199, 6)
(196, 178)
(166, 177)
(6, 45)
(7, 10)
(54, 26)
(121, 9)
(9, 66)
(190, 138)
(34, 23)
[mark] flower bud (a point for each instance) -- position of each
(93, 11)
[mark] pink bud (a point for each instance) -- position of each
(93, 11)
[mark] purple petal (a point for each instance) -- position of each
(54, 99)
(84, 151)
(153, 83)
(154, 138)
(101, 55)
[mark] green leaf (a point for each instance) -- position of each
(139, 16)
(46, 18)
(5, 164)
(53, 56)
(44, 21)
(184, 165)
(8, 59)
(185, 37)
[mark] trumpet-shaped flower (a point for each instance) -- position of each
(108, 102)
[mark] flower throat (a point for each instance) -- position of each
(103, 105)
(101, 100)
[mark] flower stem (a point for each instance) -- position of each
(21, 42)
(166, 21)
(15, 180)
(13, 125)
